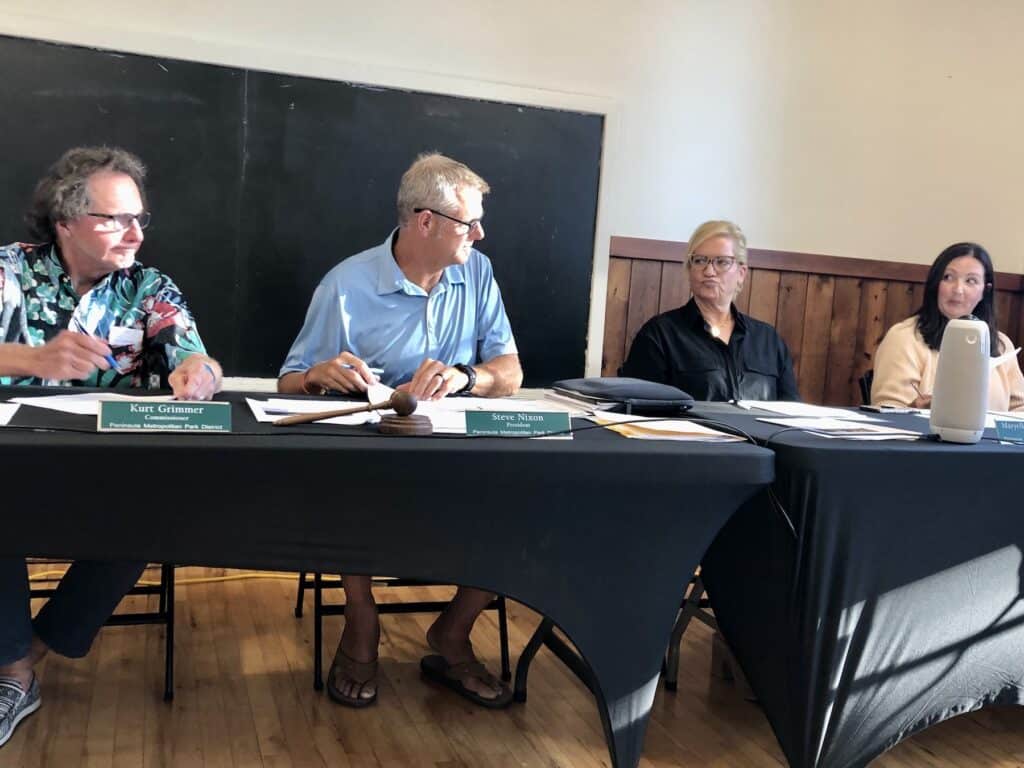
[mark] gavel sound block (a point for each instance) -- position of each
(403, 421)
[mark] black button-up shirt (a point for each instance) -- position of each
(677, 348)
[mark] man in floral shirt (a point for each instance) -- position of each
(78, 310)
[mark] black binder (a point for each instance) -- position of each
(628, 395)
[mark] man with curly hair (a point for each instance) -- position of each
(78, 310)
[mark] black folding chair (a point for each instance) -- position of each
(694, 606)
(164, 614)
(865, 386)
(317, 583)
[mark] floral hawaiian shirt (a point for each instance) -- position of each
(138, 311)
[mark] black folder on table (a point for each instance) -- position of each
(626, 395)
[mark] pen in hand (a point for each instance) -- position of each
(108, 357)
(374, 371)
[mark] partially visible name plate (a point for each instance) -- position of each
(516, 423)
(1010, 430)
(163, 416)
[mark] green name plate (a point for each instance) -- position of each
(163, 416)
(517, 423)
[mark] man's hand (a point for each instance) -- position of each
(434, 380)
(69, 356)
(197, 378)
(345, 373)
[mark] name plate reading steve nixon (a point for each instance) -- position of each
(163, 416)
(516, 423)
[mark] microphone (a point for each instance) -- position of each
(402, 403)
(960, 396)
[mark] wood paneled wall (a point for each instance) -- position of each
(832, 312)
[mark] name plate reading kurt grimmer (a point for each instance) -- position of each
(516, 423)
(163, 416)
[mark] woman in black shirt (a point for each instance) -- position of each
(707, 347)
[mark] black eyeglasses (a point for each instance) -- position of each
(469, 225)
(118, 221)
(720, 263)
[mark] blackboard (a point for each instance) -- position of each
(261, 182)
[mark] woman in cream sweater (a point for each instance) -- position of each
(960, 282)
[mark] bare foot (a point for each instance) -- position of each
(359, 642)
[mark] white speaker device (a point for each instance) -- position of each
(960, 396)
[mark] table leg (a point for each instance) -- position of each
(624, 708)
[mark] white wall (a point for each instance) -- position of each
(874, 129)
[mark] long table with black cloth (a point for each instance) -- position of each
(600, 534)
(893, 605)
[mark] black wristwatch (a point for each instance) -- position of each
(470, 374)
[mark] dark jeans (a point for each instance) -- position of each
(85, 598)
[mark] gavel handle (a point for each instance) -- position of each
(308, 418)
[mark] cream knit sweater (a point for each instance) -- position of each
(904, 361)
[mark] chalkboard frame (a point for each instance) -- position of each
(232, 179)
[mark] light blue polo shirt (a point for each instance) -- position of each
(366, 306)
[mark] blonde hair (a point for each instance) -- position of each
(710, 229)
(433, 181)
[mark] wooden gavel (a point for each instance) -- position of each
(402, 403)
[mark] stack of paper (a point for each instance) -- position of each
(86, 404)
(651, 428)
(990, 418)
(845, 428)
(578, 403)
(7, 411)
(806, 410)
(279, 407)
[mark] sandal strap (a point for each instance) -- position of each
(465, 670)
(361, 672)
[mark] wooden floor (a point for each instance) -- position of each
(244, 698)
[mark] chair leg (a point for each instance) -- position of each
(167, 597)
(691, 605)
(318, 632)
(300, 594)
(725, 666)
(544, 629)
(162, 607)
(506, 668)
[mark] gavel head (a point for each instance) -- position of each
(403, 403)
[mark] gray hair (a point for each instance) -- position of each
(432, 181)
(63, 193)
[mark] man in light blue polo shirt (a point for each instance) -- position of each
(424, 308)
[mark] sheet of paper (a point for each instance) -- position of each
(990, 417)
(788, 408)
(1006, 357)
(120, 336)
(828, 427)
(446, 421)
(1005, 416)
(378, 393)
(576, 407)
(652, 428)
(86, 404)
(276, 408)
(7, 411)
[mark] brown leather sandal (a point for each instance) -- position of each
(345, 668)
(454, 676)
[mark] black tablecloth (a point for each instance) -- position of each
(599, 533)
(896, 606)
